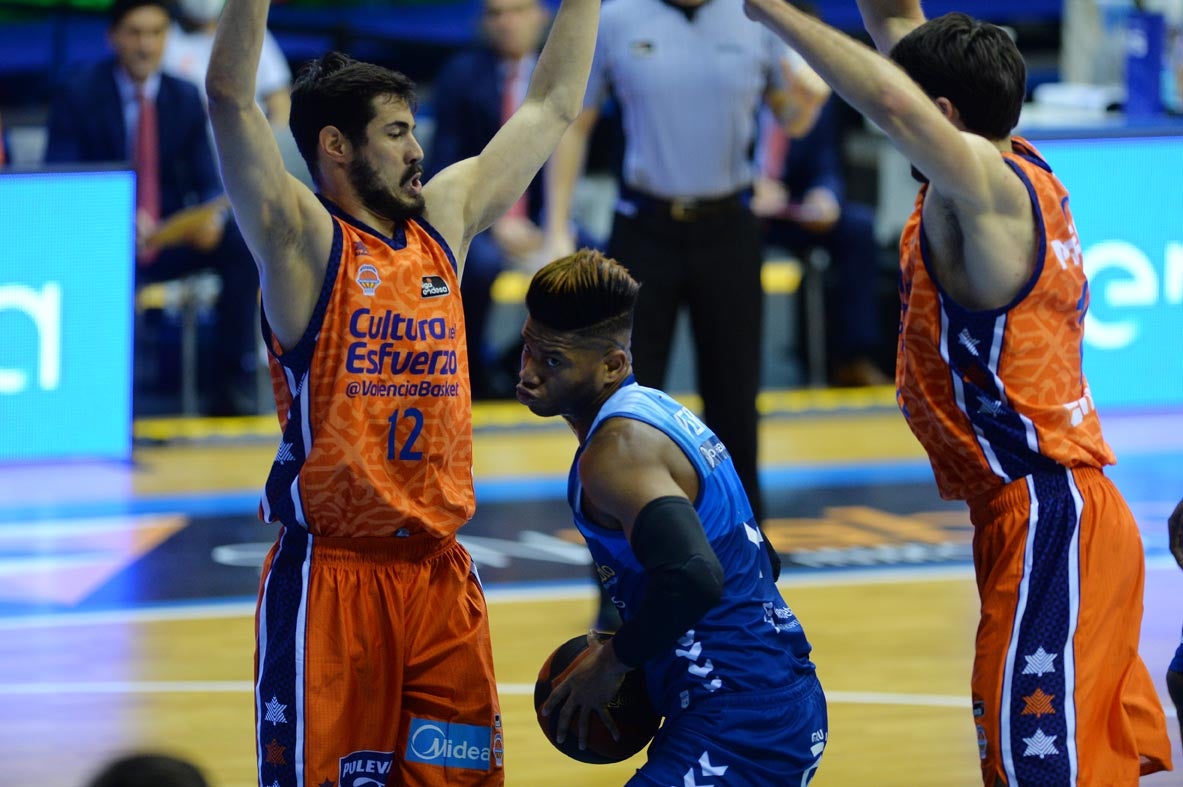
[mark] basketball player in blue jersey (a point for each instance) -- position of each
(1175, 671)
(675, 544)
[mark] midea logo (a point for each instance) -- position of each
(430, 742)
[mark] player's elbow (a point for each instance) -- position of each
(225, 92)
(700, 580)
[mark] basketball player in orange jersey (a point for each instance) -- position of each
(373, 663)
(988, 373)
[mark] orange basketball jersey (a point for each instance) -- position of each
(996, 395)
(374, 399)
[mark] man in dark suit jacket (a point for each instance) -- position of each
(470, 103)
(804, 205)
(94, 118)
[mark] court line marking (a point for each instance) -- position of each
(533, 592)
(536, 592)
(74, 689)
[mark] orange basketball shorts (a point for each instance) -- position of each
(1060, 694)
(373, 665)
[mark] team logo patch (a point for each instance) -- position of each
(365, 769)
(434, 287)
(498, 750)
(368, 278)
(713, 451)
(452, 745)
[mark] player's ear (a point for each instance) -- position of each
(615, 365)
(949, 111)
(334, 143)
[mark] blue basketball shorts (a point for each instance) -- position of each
(756, 739)
(1177, 662)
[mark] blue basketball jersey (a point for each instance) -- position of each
(751, 640)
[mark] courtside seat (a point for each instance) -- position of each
(188, 300)
(781, 276)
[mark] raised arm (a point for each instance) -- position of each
(890, 20)
(964, 167)
(287, 229)
(471, 194)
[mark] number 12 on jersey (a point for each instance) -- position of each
(407, 452)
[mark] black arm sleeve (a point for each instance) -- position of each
(683, 579)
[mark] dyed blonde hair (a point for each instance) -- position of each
(584, 293)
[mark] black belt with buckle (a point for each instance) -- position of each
(684, 209)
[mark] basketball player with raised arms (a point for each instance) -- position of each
(988, 373)
(373, 661)
(671, 530)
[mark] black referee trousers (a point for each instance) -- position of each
(711, 264)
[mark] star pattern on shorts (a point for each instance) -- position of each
(1040, 745)
(275, 710)
(275, 753)
(1040, 662)
(1039, 704)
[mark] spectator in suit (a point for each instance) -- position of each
(801, 195)
(474, 93)
(126, 109)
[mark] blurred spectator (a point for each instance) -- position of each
(187, 50)
(125, 109)
(474, 93)
(3, 145)
(802, 197)
(149, 770)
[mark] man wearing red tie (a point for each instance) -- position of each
(126, 110)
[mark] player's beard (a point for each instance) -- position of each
(379, 199)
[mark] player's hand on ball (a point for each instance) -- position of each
(587, 686)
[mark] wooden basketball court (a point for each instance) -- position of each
(126, 591)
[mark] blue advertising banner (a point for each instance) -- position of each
(1127, 202)
(66, 281)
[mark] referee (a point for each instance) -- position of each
(690, 77)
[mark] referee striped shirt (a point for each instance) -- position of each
(689, 86)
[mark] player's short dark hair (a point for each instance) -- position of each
(121, 8)
(149, 770)
(585, 293)
(972, 63)
(336, 90)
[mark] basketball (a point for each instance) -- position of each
(635, 717)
